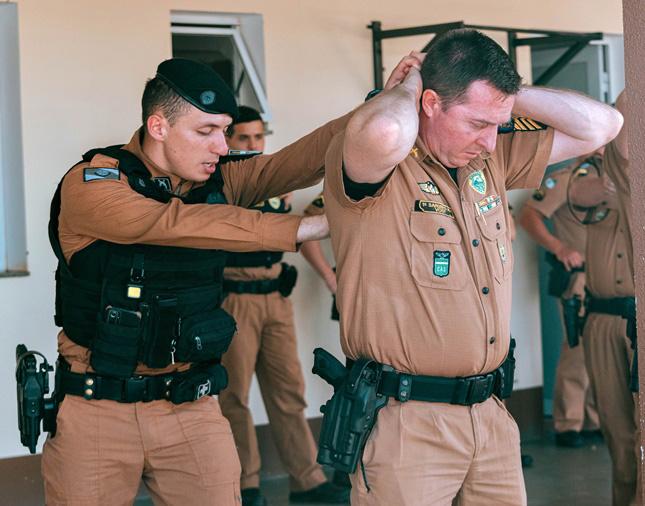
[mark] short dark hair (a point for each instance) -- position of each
(245, 114)
(457, 58)
(158, 96)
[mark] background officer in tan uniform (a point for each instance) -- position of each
(312, 250)
(610, 281)
(573, 405)
(415, 195)
(107, 438)
(266, 344)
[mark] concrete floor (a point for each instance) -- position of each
(558, 477)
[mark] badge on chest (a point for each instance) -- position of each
(441, 263)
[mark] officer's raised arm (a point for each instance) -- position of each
(381, 132)
(581, 124)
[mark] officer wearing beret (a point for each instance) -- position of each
(416, 198)
(258, 287)
(140, 232)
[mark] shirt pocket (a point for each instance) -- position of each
(497, 247)
(437, 258)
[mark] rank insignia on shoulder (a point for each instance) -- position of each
(520, 125)
(429, 187)
(477, 182)
(100, 173)
(441, 263)
(427, 206)
(538, 195)
(319, 202)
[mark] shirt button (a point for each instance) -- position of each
(619, 281)
(491, 340)
(475, 242)
(620, 255)
(498, 226)
(442, 231)
(485, 290)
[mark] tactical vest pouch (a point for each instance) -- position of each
(161, 330)
(205, 336)
(287, 279)
(198, 382)
(116, 346)
(349, 416)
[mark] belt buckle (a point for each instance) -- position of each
(135, 389)
(481, 388)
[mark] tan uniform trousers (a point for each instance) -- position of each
(574, 406)
(266, 344)
(609, 356)
(102, 449)
(435, 454)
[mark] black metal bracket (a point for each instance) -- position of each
(574, 42)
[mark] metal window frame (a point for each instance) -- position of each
(574, 42)
(244, 53)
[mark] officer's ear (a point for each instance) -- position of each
(157, 127)
(430, 102)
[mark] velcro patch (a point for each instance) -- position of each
(100, 173)
(428, 206)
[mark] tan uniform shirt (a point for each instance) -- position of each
(110, 210)
(610, 271)
(252, 273)
(424, 268)
(551, 202)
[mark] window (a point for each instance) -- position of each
(13, 241)
(232, 44)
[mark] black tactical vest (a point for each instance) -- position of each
(143, 303)
(261, 258)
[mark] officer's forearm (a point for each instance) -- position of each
(313, 253)
(312, 228)
(583, 123)
(533, 222)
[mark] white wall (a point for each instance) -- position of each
(83, 66)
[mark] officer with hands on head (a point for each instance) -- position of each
(258, 287)
(574, 411)
(609, 333)
(139, 232)
(415, 194)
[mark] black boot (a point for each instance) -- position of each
(569, 439)
(253, 497)
(326, 493)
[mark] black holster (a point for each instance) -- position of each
(633, 337)
(572, 321)
(287, 279)
(349, 416)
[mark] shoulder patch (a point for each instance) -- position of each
(538, 195)
(520, 125)
(100, 173)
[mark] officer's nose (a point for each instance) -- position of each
(219, 146)
(488, 138)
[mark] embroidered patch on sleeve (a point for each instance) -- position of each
(100, 173)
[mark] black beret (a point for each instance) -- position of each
(198, 84)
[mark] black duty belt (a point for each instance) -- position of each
(261, 286)
(177, 387)
(618, 306)
(464, 391)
